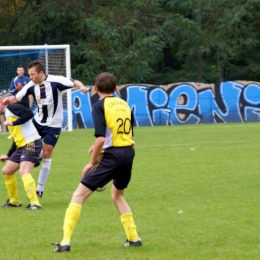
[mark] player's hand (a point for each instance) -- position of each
(6, 100)
(86, 168)
(90, 150)
(84, 89)
(7, 123)
(4, 158)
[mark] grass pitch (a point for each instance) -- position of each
(194, 195)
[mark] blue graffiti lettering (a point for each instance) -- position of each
(137, 99)
(82, 110)
(185, 103)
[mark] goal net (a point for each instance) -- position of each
(56, 59)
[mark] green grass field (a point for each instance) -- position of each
(194, 195)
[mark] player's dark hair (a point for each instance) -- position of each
(105, 82)
(39, 66)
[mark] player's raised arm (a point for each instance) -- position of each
(10, 100)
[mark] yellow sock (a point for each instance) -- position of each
(71, 218)
(30, 188)
(129, 226)
(11, 186)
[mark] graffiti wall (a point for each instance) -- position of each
(179, 103)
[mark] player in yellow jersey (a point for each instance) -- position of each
(23, 155)
(112, 158)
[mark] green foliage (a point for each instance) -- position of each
(150, 41)
(193, 195)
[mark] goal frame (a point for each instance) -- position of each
(45, 47)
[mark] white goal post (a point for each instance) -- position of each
(56, 59)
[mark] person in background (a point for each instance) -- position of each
(112, 159)
(17, 83)
(22, 156)
(47, 91)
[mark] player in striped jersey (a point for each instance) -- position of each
(47, 91)
(23, 155)
(112, 159)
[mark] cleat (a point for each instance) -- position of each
(39, 193)
(62, 248)
(137, 242)
(9, 204)
(33, 207)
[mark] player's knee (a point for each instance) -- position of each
(6, 171)
(116, 196)
(47, 151)
(46, 155)
(79, 196)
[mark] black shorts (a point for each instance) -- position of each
(114, 163)
(30, 152)
(49, 135)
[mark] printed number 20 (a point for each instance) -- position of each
(124, 126)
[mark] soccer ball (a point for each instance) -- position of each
(101, 188)
(39, 159)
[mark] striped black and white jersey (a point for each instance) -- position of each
(48, 96)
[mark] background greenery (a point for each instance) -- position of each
(143, 41)
(194, 194)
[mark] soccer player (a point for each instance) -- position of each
(23, 155)
(112, 159)
(17, 84)
(47, 91)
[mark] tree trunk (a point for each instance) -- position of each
(199, 56)
(221, 70)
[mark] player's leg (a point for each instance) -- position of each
(45, 168)
(120, 182)
(50, 138)
(29, 157)
(11, 184)
(29, 184)
(126, 216)
(72, 216)
(89, 183)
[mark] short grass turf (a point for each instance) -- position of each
(194, 194)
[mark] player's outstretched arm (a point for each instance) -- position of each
(10, 100)
(78, 84)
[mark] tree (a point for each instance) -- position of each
(143, 41)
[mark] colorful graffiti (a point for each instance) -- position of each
(179, 103)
